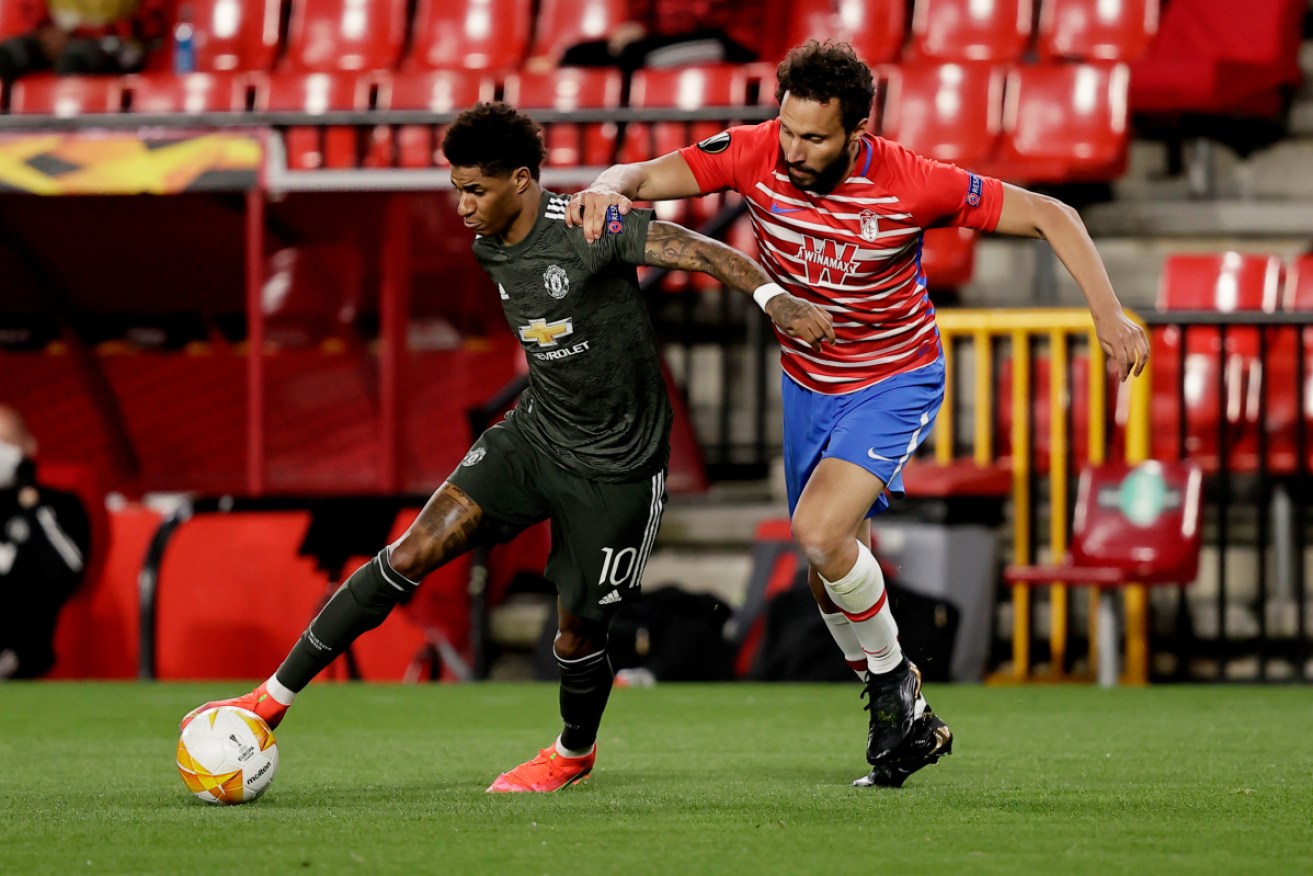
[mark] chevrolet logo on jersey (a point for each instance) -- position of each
(546, 333)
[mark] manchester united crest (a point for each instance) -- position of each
(556, 281)
(870, 225)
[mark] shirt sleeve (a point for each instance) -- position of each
(717, 161)
(943, 194)
(624, 239)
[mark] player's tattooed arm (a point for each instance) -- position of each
(675, 247)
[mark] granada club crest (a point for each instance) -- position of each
(556, 281)
(870, 225)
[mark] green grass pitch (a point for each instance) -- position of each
(725, 779)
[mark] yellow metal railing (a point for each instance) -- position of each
(1058, 327)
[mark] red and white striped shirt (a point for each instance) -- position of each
(856, 252)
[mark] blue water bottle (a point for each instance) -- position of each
(184, 42)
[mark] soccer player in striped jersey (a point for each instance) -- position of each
(838, 216)
(586, 447)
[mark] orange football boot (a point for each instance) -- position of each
(549, 771)
(257, 701)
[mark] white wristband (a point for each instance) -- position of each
(766, 293)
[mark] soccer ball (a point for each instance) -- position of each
(227, 755)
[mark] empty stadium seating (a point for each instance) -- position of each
(192, 93)
(311, 147)
(562, 23)
(1096, 30)
(65, 96)
(875, 28)
(438, 91)
(567, 90)
(949, 112)
(684, 88)
(948, 257)
(971, 30)
(1064, 123)
(488, 35)
(19, 16)
(346, 35)
(235, 35)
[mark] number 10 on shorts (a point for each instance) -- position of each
(618, 567)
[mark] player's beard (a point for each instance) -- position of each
(826, 179)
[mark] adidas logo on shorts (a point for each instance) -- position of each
(608, 599)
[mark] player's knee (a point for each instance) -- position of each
(818, 542)
(413, 556)
(573, 644)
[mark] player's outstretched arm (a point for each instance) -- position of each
(660, 179)
(675, 247)
(1027, 214)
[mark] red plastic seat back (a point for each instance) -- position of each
(1066, 122)
(18, 17)
(1096, 30)
(347, 35)
(683, 88)
(971, 30)
(566, 90)
(470, 34)
(309, 147)
(875, 28)
(233, 35)
(191, 93)
(438, 91)
(64, 96)
(948, 257)
(1143, 519)
(563, 23)
(949, 112)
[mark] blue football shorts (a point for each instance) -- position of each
(877, 428)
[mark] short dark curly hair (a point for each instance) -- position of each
(496, 138)
(825, 71)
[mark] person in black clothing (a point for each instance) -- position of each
(44, 539)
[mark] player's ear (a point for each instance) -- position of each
(522, 179)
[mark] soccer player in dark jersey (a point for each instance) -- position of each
(586, 447)
(838, 215)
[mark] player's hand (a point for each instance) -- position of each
(588, 209)
(801, 319)
(1125, 342)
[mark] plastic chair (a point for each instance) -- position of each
(232, 35)
(1096, 30)
(949, 112)
(971, 30)
(876, 29)
(1134, 524)
(437, 91)
(309, 147)
(1065, 123)
(65, 96)
(487, 35)
(192, 93)
(345, 35)
(566, 90)
(563, 23)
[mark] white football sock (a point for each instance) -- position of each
(279, 691)
(566, 752)
(861, 596)
(846, 639)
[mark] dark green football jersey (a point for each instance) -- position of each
(596, 401)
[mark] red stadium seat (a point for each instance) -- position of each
(314, 93)
(1134, 524)
(232, 35)
(682, 88)
(1222, 282)
(948, 257)
(438, 91)
(971, 30)
(566, 90)
(1096, 30)
(192, 93)
(1064, 123)
(1290, 397)
(949, 112)
(470, 34)
(65, 96)
(563, 23)
(1077, 408)
(875, 28)
(345, 35)
(18, 17)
